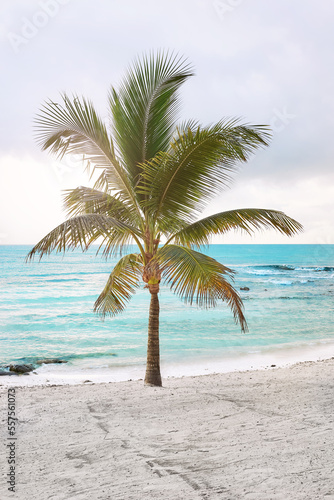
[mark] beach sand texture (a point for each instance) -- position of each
(245, 435)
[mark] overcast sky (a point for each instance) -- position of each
(266, 61)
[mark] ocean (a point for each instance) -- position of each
(47, 312)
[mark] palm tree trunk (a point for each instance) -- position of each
(152, 376)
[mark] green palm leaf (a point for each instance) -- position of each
(121, 285)
(199, 163)
(245, 219)
(144, 108)
(88, 200)
(76, 128)
(196, 277)
(82, 231)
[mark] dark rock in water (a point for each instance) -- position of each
(49, 361)
(244, 288)
(21, 368)
(5, 372)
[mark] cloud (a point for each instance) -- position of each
(310, 201)
(266, 62)
(31, 203)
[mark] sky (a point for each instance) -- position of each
(264, 61)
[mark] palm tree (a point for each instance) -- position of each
(154, 181)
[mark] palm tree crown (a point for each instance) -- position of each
(155, 178)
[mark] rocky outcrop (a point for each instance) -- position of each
(49, 361)
(21, 368)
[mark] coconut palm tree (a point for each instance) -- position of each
(154, 180)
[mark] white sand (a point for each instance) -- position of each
(250, 435)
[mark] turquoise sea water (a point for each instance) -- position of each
(47, 311)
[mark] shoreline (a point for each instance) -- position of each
(262, 434)
(278, 356)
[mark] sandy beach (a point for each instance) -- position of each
(254, 435)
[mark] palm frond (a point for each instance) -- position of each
(144, 108)
(82, 231)
(88, 200)
(196, 277)
(245, 219)
(121, 285)
(75, 127)
(198, 165)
